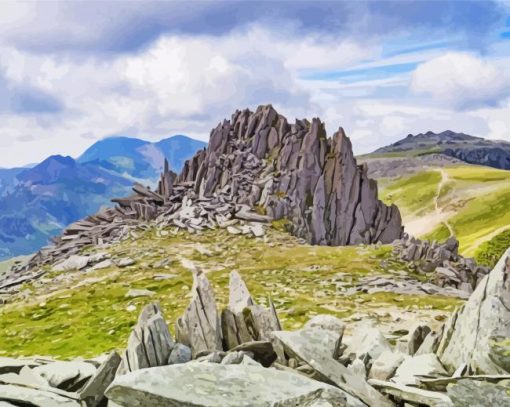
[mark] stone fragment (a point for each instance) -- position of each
(93, 391)
(413, 367)
(34, 398)
(74, 262)
(315, 347)
(412, 394)
(65, 375)
(328, 322)
(469, 393)
(134, 293)
(180, 354)
(385, 365)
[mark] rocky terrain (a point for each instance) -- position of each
(241, 356)
(345, 309)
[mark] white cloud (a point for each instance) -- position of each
(462, 80)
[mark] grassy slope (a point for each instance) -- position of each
(86, 313)
(476, 198)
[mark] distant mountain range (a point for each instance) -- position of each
(37, 203)
(473, 150)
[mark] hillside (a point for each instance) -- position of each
(37, 203)
(270, 249)
(439, 195)
(472, 150)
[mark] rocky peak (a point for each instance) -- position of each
(294, 171)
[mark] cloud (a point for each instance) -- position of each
(180, 84)
(78, 26)
(462, 80)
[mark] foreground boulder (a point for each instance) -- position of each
(316, 347)
(482, 323)
(150, 343)
(208, 385)
(199, 327)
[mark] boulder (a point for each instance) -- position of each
(207, 384)
(34, 398)
(368, 340)
(199, 327)
(243, 320)
(328, 322)
(66, 375)
(150, 342)
(316, 348)
(412, 394)
(93, 392)
(413, 367)
(180, 354)
(484, 319)
(73, 262)
(385, 365)
(469, 393)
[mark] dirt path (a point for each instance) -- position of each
(424, 224)
(439, 212)
(470, 248)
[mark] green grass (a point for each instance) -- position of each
(415, 194)
(490, 252)
(84, 314)
(477, 199)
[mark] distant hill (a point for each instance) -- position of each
(37, 203)
(139, 158)
(443, 185)
(473, 150)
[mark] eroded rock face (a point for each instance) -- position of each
(472, 334)
(294, 171)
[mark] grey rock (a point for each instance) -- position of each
(328, 322)
(315, 348)
(124, 262)
(180, 354)
(385, 366)
(469, 393)
(33, 397)
(93, 392)
(149, 343)
(412, 394)
(483, 321)
(413, 367)
(64, 375)
(207, 385)
(367, 340)
(199, 327)
(74, 262)
(135, 293)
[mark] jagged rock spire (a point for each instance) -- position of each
(294, 171)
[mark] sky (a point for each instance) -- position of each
(72, 73)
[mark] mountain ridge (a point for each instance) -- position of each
(36, 203)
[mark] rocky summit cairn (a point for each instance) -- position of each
(294, 171)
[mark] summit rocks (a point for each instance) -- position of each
(294, 171)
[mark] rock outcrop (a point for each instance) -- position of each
(478, 331)
(441, 262)
(294, 171)
(318, 365)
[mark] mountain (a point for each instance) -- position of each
(37, 203)
(141, 159)
(473, 150)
